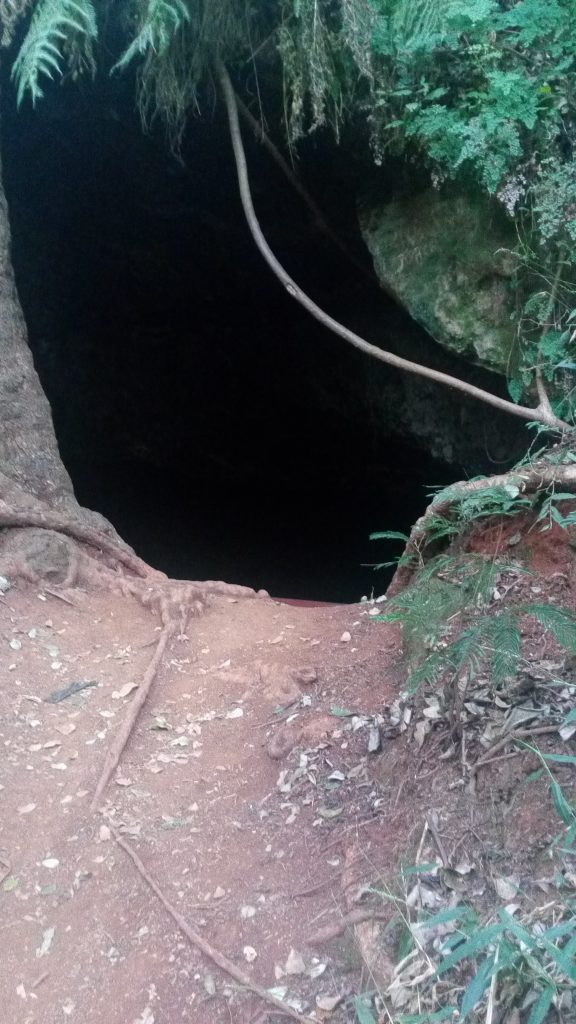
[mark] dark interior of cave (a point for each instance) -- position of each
(223, 432)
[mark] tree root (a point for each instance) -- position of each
(46, 553)
(46, 519)
(205, 947)
(121, 738)
(528, 480)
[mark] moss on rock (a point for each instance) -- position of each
(447, 259)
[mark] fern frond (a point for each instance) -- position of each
(507, 641)
(466, 653)
(560, 622)
(426, 674)
(57, 28)
(161, 21)
(11, 11)
(418, 22)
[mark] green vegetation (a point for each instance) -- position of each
(451, 624)
(481, 92)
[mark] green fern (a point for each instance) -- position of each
(57, 28)
(11, 11)
(559, 621)
(443, 588)
(492, 639)
(507, 642)
(161, 20)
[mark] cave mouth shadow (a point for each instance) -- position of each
(223, 432)
(303, 539)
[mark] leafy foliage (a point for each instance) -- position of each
(57, 27)
(479, 92)
(160, 21)
(450, 588)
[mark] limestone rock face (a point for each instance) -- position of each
(446, 258)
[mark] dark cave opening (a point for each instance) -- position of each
(222, 431)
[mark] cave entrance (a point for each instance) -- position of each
(222, 431)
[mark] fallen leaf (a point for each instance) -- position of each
(328, 1003)
(66, 728)
(330, 812)
(26, 808)
(160, 723)
(506, 888)
(124, 690)
(50, 862)
(294, 963)
(47, 937)
(316, 970)
(421, 730)
(146, 1017)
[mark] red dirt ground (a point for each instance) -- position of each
(247, 789)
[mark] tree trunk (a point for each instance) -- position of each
(29, 453)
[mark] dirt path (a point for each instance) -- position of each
(295, 809)
(231, 824)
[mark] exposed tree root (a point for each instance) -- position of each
(21, 509)
(38, 544)
(174, 602)
(203, 945)
(528, 480)
(61, 523)
(121, 738)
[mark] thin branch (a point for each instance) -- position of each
(540, 414)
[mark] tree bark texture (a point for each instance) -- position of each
(28, 448)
